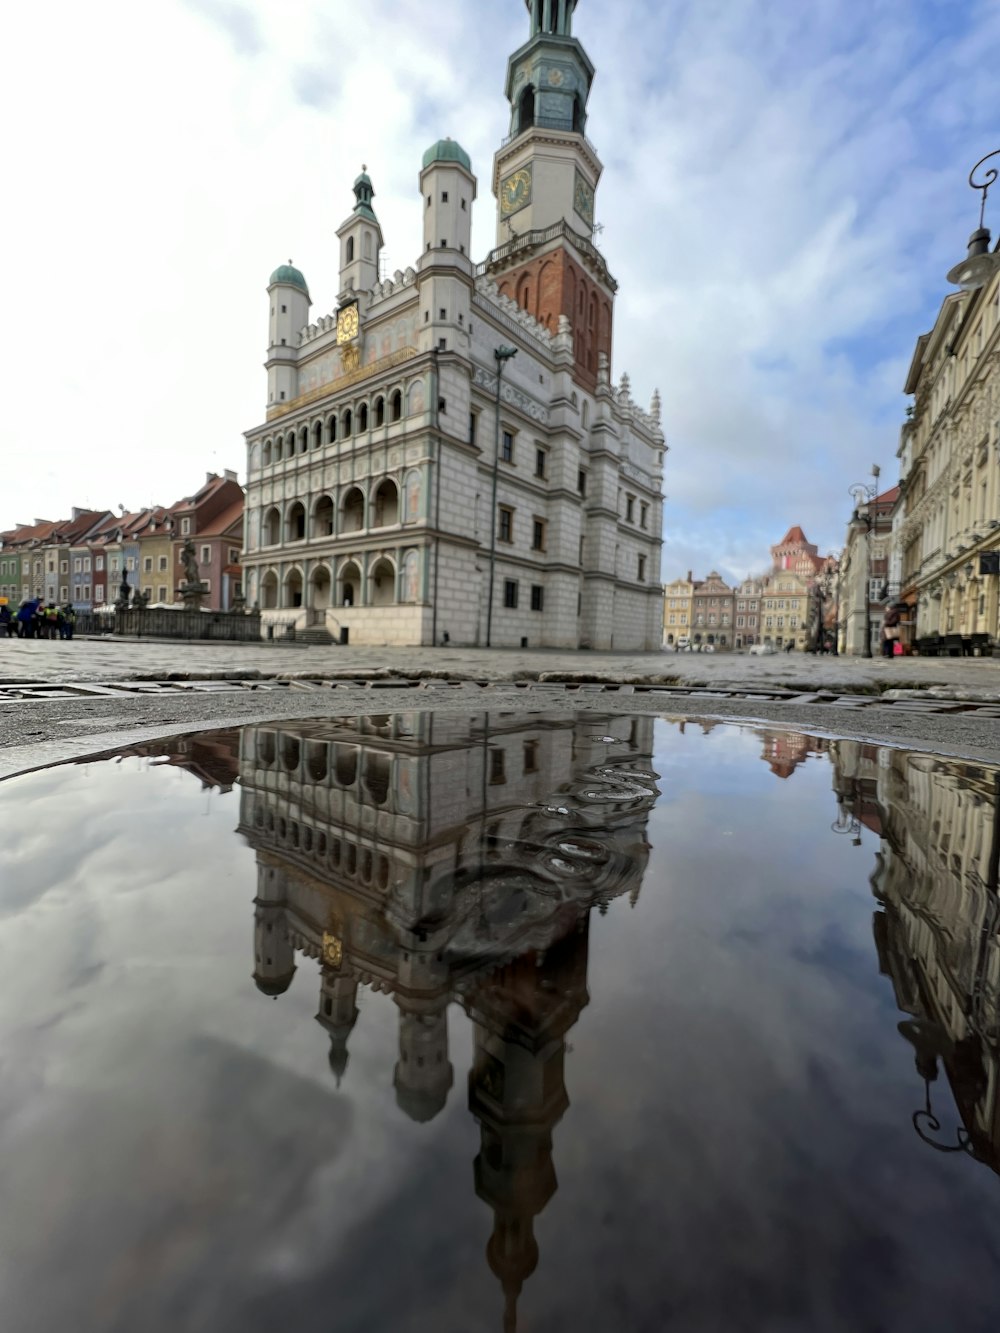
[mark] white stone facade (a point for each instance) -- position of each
(369, 510)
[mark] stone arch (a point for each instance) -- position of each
(293, 587)
(304, 440)
(317, 760)
(345, 765)
(291, 753)
(349, 584)
(524, 293)
(271, 526)
(266, 458)
(378, 768)
(352, 510)
(363, 417)
(322, 519)
(317, 432)
(382, 583)
(290, 444)
(350, 249)
(396, 405)
(269, 590)
(415, 398)
(253, 462)
(331, 429)
(320, 588)
(347, 422)
(380, 411)
(367, 245)
(295, 522)
(385, 506)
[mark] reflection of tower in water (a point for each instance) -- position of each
(452, 859)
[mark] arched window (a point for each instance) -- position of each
(303, 439)
(353, 519)
(383, 583)
(331, 429)
(379, 411)
(267, 453)
(347, 424)
(577, 114)
(350, 249)
(272, 527)
(293, 588)
(368, 245)
(386, 505)
(524, 294)
(269, 590)
(350, 585)
(363, 417)
(296, 530)
(317, 434)
(526, 108)
(396, 406)
(323, 517)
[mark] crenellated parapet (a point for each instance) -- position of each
(487, 288)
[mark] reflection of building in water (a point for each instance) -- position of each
(937, 930)
(783, 751)
(212, 756)
(446, 859)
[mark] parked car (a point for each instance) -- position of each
(762, 650)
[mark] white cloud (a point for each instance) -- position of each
(783, 192)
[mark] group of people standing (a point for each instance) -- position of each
(37, 619)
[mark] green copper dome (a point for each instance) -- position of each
(289, 276)
(447, 150)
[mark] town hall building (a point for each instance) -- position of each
(444, 457)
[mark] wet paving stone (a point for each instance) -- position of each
(504, 1020)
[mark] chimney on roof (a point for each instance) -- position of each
(229, 474)
(690, 579)
(210, 477)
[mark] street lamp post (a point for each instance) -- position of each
(501, 355)
(864, 520)
(979, 265)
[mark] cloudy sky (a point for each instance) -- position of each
(784, 189)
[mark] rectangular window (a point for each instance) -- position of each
(642, 571)
(506, 447)
(537, 597)
(630, 509)
(538, 534)
(64, 593)
(510, 594)
(86, 564)
(161, 563)
(99, 594)
(99, 562)
(581, 482)
(643, 515)
(162, 593)
(540, 463)
(505, 521)
(207, 585)
(186, 522)
(473, 419)
(206, 555)
(498, 766)
(147, 564)
(234, 555)
(77, 566)
(86, 592)
(531, 756)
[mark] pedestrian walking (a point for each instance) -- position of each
(890, 631)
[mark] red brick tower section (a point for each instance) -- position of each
(555, 284)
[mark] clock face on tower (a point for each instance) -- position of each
(583, 199)
(515, 191)
(347, 323)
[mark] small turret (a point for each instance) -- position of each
(445, 268)
(360, 241)
(290, 302)
(338, 1012)
(274, 956)
(423, 1074)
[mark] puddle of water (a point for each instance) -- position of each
(558, 1022)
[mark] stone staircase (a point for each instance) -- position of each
(315, 635)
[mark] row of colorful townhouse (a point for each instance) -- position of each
(85, 558)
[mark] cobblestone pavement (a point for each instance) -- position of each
(104, 660)
(64, 701)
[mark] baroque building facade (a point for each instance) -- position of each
(947, 528)
(444, 456)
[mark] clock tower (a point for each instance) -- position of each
(545, 179)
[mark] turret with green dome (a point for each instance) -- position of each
(287, 275)
(448, 150)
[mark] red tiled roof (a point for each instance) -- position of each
(217, 526)
(794, 537)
